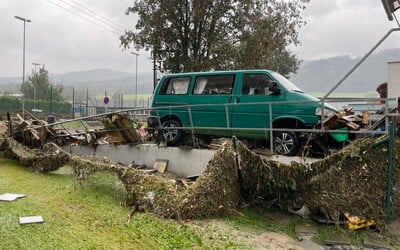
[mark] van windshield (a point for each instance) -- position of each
(286, 83)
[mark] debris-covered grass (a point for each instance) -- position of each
(87, 216)
(352, 180)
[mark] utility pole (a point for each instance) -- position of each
(23, 61)
(154, 70)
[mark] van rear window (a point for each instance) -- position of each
(175, 86)
(214, 85)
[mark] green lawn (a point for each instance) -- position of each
(87, 216)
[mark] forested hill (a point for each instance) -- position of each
(317, 76)
(320, 76)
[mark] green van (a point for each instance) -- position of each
(244, 103)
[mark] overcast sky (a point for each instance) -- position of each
(65, 42)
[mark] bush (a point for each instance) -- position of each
(13, 105)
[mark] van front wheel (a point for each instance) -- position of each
(171, 135)
(286, 143)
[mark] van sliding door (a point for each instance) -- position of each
(210, 95)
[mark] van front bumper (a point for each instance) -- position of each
(153, 122)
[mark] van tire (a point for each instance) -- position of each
(286, 143)
(174, 136)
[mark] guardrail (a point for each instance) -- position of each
(369, 104)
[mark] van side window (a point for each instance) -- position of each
(175, 86)
(256, 84)
(214, 85)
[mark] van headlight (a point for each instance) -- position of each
(327, 112)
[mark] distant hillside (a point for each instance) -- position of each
(101, 80)
(317, 76)
(94, 75)
(96, 81)
(322, 75)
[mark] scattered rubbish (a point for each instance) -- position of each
(347, 118)
(161, 165)
(10, 196)
(355, 222)
(134, 165)
(116, 128)
(149, 171)
(184, 182)
(325, 220)
(30, 219)
(304, 211)
(142, 166)
(192, 177)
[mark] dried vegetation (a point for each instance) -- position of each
(352, 180)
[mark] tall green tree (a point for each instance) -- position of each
(39, 84)
(200, 35)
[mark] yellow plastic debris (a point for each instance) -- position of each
(354, 222)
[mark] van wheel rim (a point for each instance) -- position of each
(284, 143)
(170, 134)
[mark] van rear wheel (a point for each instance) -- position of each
(286, 143)
(172, 136)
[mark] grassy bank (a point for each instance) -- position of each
(87, 216)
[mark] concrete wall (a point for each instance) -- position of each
(182, 161)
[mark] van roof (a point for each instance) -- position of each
(219, 72)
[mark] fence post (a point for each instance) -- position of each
(389, 172)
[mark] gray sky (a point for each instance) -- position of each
(65, 42)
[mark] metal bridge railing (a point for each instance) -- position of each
(366, 104)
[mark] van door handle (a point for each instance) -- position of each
(233, 99)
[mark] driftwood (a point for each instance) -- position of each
(121, 129)
(118, 128)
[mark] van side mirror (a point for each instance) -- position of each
(274, 88)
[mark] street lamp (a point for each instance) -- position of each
(136, 54)
(23, 59)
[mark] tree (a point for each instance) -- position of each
(38, 83)
(200, 35)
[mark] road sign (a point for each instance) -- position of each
(106, 100)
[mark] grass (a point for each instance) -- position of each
(91, 215)
(253, 219)
(83, 217)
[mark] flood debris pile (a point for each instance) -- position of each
(215, 192)
(348, 119)
(114, 128)
(352, 180)
(49, 158)
(119, 129)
